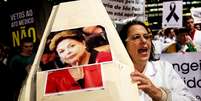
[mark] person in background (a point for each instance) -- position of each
(96, 38)
(158, 42)
(160, 36)
(193, 32)
(71, 48)
(5, 75)
(48, 59)
(197, 26)
(183, 43)
(20, 63)
(169, 35)
(156, 80)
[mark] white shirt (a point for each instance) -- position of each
(162, 74)
(197, 39)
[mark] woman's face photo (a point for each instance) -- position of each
(70, 51)
(74, 47)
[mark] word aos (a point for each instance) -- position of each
(21, 33)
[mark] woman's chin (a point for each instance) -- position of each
(72, 62)
(144, 59)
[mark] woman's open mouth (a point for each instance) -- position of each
(143, 51)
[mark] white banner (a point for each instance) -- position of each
(172, 14)
(188, 65)
(122, 10)
(196, 14)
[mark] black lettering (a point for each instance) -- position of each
(194, 66)
(126, 8)
(128, 14)
(176, 67)
(191, 83)
(198, 97)
(184, 80)
(118, 13)
(108, 5)
(135, 9)
(110, 13)
(185, 68)
(129, 1)
(199, 83)
(200, 64)
(117, 7)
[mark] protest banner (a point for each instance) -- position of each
(115, 74)
(123, 10)
(188, 66)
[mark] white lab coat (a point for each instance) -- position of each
(162, 74)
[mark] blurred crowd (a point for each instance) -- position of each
(172, 40)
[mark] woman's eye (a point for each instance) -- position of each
(134, 37)
(147, 36)
(61, 51)
(72, 45)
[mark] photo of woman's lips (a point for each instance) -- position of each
(70, 56)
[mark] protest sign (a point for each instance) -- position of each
(188, 66)
(76, 16)
(22, 24)
(172, 13)
(123, 10)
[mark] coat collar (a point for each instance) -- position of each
(150, 69)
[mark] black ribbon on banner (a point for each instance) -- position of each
(172, 13)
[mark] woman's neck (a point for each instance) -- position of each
(85, 58)
(140, 66)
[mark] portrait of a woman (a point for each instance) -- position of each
(72, 50)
